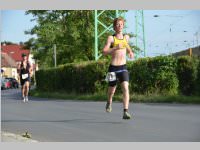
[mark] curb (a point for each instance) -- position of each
(11, 137)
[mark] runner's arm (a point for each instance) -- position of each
(31, 69)
(18, 68)
(128, 48)
(107, 50)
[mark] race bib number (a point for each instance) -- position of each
(111, 76)
(24, 76)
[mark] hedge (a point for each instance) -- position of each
(187, 74)
(86, 77)
(197, 83)
(154, 75)
(161, 75)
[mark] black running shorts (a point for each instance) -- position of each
(121, 73)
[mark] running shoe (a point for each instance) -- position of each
(108, 107)
(126, 115)
(26, 98)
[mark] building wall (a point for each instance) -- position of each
(195, 52)
(10, 72)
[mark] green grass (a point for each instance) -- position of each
(103, 97)
(68, 96)
(166, 99)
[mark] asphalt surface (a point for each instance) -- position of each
(77, 121)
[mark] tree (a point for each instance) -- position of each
(7, 43)
(71, 30)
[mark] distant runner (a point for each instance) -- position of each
(25, 73)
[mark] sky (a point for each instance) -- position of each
(13, 25)
(158, 38)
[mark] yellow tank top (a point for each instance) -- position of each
(117, 41)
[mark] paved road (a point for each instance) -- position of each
(70, 121)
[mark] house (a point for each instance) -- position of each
(195, 51)
(11, 56)
(8, 66)
(15, 51)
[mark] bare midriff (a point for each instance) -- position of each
(119, 57)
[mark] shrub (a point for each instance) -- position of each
(154, 75)
(86, 77)
(159, 75)
(197, 83)
(187, 74)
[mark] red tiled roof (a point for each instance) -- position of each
(15, 51)
(7, 61)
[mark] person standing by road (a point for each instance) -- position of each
(25, 73)
(117, 46)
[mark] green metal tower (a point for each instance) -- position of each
(139, 27)
(140, 34)
(107, 28)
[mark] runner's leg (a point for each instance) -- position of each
(111, 92)
(126, 98)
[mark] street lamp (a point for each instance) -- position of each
(155, 15)
(167, 16)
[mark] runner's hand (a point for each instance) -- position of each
(131, 55)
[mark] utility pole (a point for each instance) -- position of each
(170, 30)
(107, 28)
(139, 30)
(140, 33)
(54, 47)
(197, 34)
